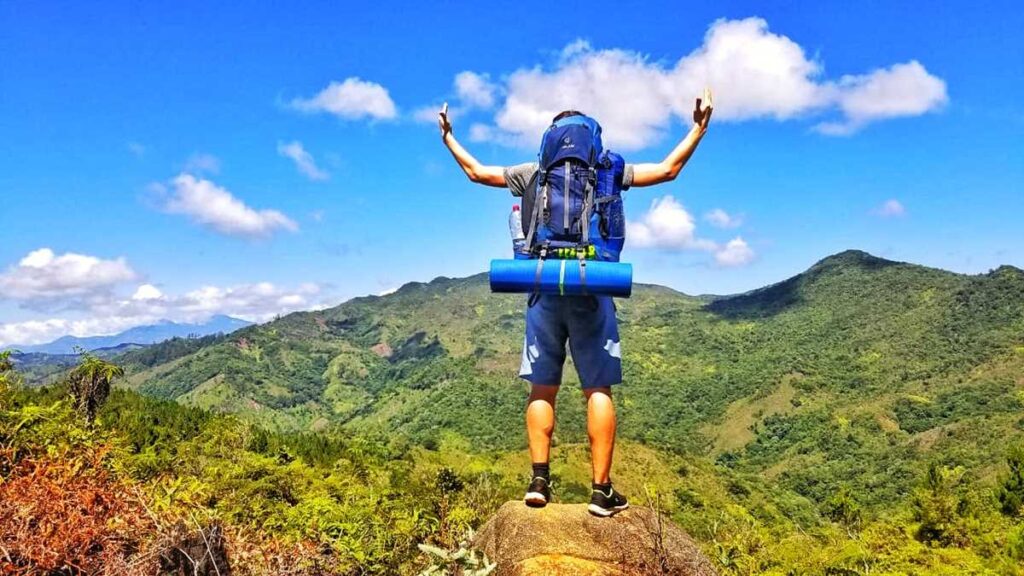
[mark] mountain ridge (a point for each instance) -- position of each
(857, 372)
(451, 325)
(140, 335)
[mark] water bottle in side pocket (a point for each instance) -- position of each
(515, 228)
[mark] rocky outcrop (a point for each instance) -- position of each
(565, 540)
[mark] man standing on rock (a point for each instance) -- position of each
(591, 331)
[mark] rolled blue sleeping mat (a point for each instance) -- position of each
(562, 277)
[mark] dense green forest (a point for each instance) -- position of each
(864, 417)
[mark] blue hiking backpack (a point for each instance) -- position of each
(573, 205)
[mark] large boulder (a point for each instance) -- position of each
(566, 540)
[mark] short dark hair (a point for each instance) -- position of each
(566, 114)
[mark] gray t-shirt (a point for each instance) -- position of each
(518, 177)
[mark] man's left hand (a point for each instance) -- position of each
(443, 123)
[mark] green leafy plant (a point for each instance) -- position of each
(89, 383)
(8, 377)
(463, 561)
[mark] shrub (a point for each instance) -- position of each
(1011, 490)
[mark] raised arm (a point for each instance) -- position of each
(477, 172)
(668, 169)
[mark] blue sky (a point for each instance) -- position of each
(182, 161)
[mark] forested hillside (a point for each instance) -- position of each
(860, 366)
(859, 417)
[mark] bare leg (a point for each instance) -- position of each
(601, 430)
(540, 421)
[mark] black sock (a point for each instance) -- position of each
(604, 488)
(542, 471)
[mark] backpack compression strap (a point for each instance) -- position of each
(589, 191)
(583, 270)
(566, 184)
(535, 217)
(535, 295)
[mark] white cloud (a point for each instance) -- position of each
(352, 99)
(574, 48)
(721, 219)
(428, 114)
(481, 132)
(31, 332)
(257, 302)
(667, 225)
(303, 160)
(617, 87)
(43, 276)
(41, 331)
(736, 252)
(754, 73)
(900, 90)
(147, 292)
(214, 207)
(890, 208)
(474, 89)
(138, 150)
(202, 163)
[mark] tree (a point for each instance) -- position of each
(89, 383)
(8, 377)
(1011, 490)
(938, 507)
(842, 507)
(6, 367)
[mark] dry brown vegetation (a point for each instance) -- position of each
(67, 515)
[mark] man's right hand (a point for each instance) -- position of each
(702, 111)
(442, 121)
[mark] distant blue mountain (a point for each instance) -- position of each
(151, 334)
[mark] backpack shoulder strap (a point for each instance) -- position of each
(530, 196)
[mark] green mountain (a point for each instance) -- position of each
(857, 371)
(864, 417)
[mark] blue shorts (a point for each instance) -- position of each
(588, 323)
